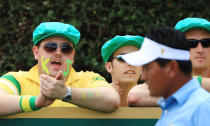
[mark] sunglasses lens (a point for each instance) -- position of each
(193, 45)
(50, 47)
(66, 48)
(205, 42)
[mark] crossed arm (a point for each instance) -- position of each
(104, 99)
(139, 96)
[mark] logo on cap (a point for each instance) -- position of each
(162, 51)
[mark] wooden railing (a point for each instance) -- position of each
(123, 116)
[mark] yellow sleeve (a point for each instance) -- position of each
(9, 84)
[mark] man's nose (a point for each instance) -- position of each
(58, 50)
(199, 47)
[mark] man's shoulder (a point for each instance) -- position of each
(17, 73)
(204, 99)
(201, 114)
(22, 75)
(88, 73)
(202, 93)
(199, 96)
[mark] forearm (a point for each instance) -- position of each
(101, 99)
(147, 101)
(9, 104)
(140, 96)
(143, 101)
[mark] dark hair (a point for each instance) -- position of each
(174, 39)
(185, 66)
(110, 58)
(38, 43)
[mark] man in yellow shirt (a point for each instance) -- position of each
(53, 81)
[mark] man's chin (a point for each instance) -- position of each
(129, 81)
(200, 66)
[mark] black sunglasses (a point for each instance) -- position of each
(204, 42)
(120, 59)
(51, 46)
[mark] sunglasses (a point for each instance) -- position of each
(51, 47)
(120, 59)
(204, 42)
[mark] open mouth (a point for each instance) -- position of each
(56, 63)
(130, 72)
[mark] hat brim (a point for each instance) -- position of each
(196, 27)
(59, 35)
(138, 58)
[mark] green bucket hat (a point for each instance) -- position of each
(119, 41)
(50, 29)
(193, 23)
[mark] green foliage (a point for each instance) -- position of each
(97, 20)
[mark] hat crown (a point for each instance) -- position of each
(193, 23)
(50, 29)
(119, 41)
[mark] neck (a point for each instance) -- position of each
(205, 72)
(177, 83)
(125, 87)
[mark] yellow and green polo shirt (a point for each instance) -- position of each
(28, 83)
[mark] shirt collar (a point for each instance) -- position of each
(33, 75)
(181, 95)
(72, 77)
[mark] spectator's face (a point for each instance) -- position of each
(120, 70)
(56, 59)
(200, 56)
(157, 78)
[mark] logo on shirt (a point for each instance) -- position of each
(98, 78)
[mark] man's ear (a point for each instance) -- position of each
(108, 66)
(172, 68)
(73, 54)
(35, 51)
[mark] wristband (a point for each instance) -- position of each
(27, 103)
